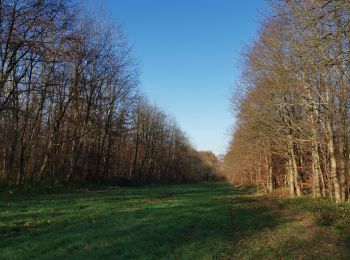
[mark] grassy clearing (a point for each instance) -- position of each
(169, 222)
(199, 221)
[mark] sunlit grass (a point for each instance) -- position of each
(169, 222)
(195, 221)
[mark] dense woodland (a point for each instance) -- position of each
(292, 106)
(70, 106)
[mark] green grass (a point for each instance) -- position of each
(271, 228)
(194, 221)
(153, 222)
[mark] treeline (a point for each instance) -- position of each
(292, 107)
(70, 108)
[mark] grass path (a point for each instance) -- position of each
(199, 221)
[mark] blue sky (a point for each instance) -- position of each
(189, 52)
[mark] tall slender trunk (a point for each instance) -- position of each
(293, 165)
(290, 177)
(333, 162)
(313, 117)
(342, 146)
(269, 172)
(316, 167)
(342, 165)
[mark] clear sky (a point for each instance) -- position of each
(189, 52)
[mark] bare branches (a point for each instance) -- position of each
(70, 108)
(297, 99)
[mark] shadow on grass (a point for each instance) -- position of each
(169, 222)
(249, 216)
(268, 229)
(196, 221)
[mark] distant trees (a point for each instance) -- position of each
(212, 166)
(69, 103)
(292, 110)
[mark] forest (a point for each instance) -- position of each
(70, 105)
(92, 167)
(292, 104)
